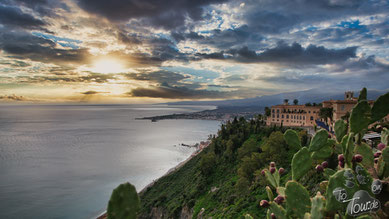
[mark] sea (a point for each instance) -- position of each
(63, 161)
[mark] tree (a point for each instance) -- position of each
(207, 163)
(326, 113)
(267, 111)
(275, 149)
(249, 146)
(286, 101)
(295, 101)
(308, 104)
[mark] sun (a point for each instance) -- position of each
(106, 66)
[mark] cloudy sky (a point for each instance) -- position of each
(137, 51)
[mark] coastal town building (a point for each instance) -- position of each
(293, 115)
(308, 116)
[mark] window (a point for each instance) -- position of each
(287, 116)
(303, 117)
(342, 107)
(282, 116)
(278, 115)
(278, 110)
(311, 117)
(272, 115)
(272, 110)
(309, 111)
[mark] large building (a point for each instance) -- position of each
(308, 116)
(293, 115)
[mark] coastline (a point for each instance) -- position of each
(201, 146)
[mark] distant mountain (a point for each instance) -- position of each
(312, 95)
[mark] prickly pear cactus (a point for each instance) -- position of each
(124, 202)
(360, 168)
(301, 163)
(292, 139)
(298, 201)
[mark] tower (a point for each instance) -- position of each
(348, 95)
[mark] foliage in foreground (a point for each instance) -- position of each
(227, 179)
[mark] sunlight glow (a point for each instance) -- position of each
(106, 66)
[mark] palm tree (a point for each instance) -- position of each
(295, 101)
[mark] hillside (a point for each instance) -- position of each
(222, 181)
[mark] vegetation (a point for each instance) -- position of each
(253, 171)
(124, 202)
(355, 174)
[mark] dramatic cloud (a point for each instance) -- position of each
(13, 16)
(27, 46)
(176, 92)
(293, 54)
(95, 50)
(168, 14)
(158, 77)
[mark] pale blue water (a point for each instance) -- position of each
(63, 161)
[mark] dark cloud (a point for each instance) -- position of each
(158, 77)
(177, 92)
(24, 45)
(14, 17)
(167, 14)
(223, 39)
(289, 54)
(41, 7)
(92, 92)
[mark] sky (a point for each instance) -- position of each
(146, 51)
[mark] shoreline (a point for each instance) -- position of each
(201, 146)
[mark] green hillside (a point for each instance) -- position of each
(223, 179)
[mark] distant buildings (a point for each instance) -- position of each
(308, 116)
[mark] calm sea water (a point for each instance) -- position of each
(62, 161)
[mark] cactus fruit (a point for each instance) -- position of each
(124, 202)
(279, 199)
(358, 158)
(272, 170)
(264, 204)
(324, 164)
(281, 171)
(263, 172)
(341, 157)
(341, 164)
(377, 154)
(319, 168)
(273, 216)
(272, 164)
(381, 146)
(376, 160)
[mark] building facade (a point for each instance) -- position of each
(293, 115)
(308, 116)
